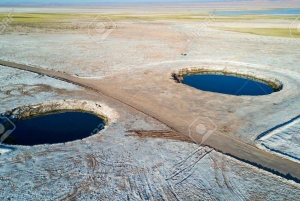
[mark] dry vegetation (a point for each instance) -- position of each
(80, 21)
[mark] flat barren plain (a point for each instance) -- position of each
(151, 149)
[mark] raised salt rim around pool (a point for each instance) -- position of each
(226, 82)
(55, 122)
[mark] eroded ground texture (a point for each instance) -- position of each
(118, 165)
(23, 88)
(138, 57)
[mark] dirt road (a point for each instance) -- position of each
(177, 119)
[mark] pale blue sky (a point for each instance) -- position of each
(89, 2)
(103, 2)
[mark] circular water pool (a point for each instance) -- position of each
(228, 84)
(55, 128)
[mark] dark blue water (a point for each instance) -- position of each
(228, 85)
(55, 128)
(260, 12)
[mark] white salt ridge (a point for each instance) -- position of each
(4, 150)
(284, 141)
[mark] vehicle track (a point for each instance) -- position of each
(219, 141)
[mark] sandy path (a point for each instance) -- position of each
(179, 123)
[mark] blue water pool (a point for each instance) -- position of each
(295, 11)
(228, 85)
(55, 128)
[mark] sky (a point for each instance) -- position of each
(105, 2)
(90, 2)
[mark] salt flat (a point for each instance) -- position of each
(115, 164)
(136, 61)
(283, 141)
